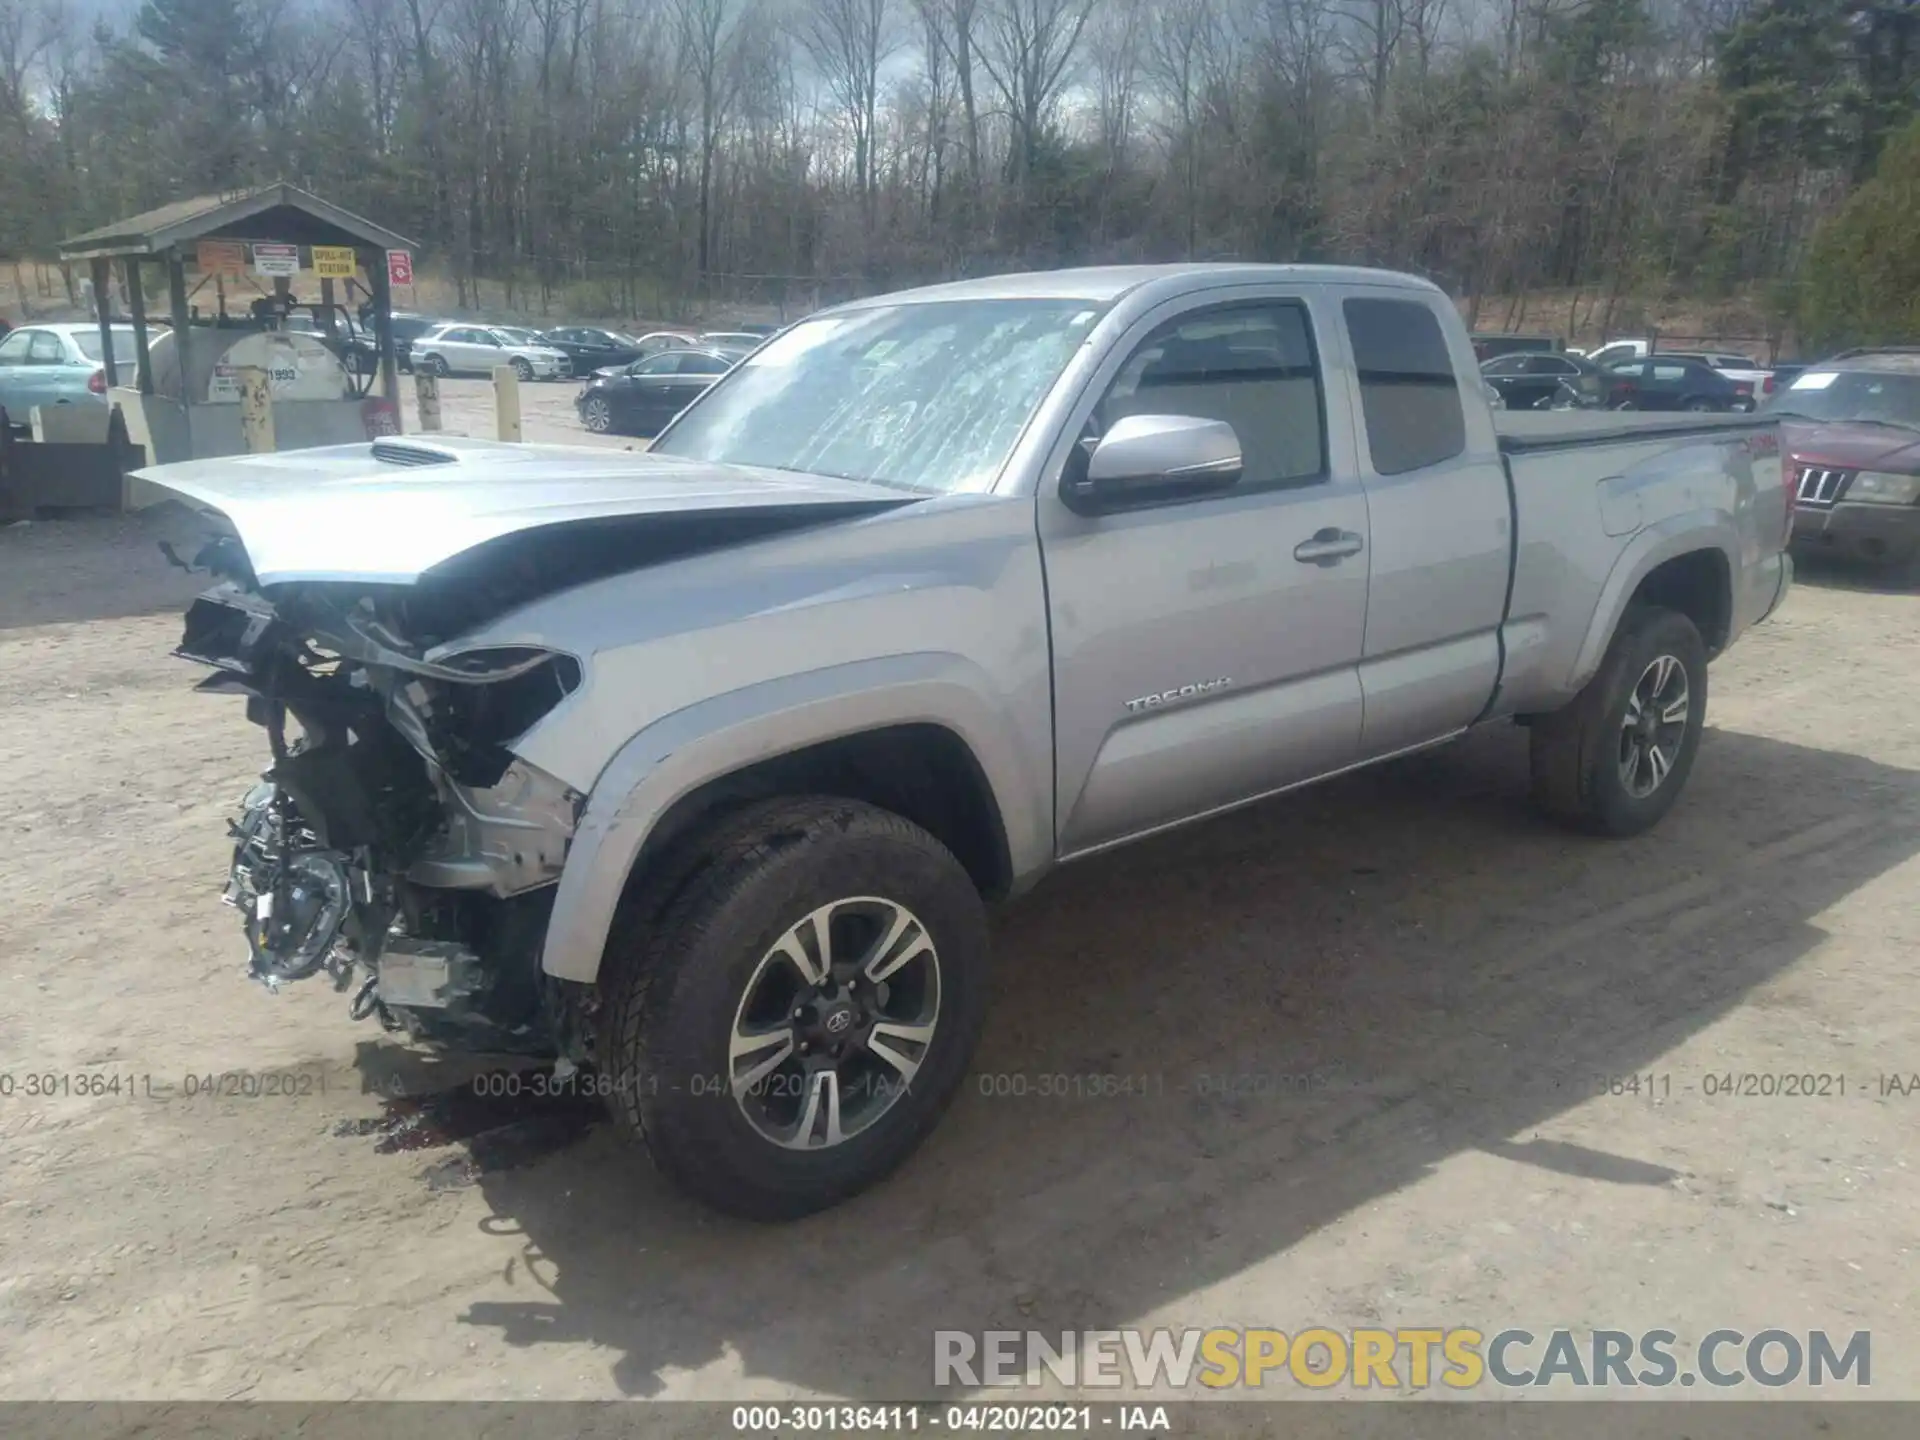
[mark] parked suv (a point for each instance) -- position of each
(1851, 432)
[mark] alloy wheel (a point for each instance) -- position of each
(835, 1021)
(1654, 725)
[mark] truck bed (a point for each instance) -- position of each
(1527, 430)
(1594, 492)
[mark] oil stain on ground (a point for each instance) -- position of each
(501, 1120)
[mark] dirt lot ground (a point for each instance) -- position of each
(546, 412)
(1415, 990)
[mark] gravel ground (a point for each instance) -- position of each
(1415, 990)
(546, 413)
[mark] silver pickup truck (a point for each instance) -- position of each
(693, 770)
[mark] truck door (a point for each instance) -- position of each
(1205, 650)
(1441, 522)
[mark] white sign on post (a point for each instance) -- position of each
(276, 259)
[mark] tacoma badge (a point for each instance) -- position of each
(1183, 692)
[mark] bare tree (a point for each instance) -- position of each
(1113, 52)
(1026, 49)
(847, 40)
(709, 32)
(627, 156)
(953, 24)
(1182, 42)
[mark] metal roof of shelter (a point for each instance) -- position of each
(281, 212)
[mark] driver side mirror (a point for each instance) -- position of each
(1147, 458)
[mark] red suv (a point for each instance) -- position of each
(1850, 427)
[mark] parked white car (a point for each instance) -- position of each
(477, 349)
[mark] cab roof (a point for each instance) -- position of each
(1104, 284)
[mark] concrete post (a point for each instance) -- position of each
(256, 408)
(506, 402)
(426, 392)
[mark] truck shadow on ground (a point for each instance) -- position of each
(1306, 1006)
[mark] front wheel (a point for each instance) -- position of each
(801, 1011)
(597, 415)
(1614, 761)
(1699, 405)
(522, 371)
(437, 365)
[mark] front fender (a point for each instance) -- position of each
(1660, 542)
(688, 748)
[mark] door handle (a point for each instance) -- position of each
(1328, 547)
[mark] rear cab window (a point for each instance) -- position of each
(1409, 394)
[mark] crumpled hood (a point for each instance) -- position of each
(1846, 445)
(388, 512)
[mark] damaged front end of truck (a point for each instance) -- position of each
(394, 843)
(397, 843)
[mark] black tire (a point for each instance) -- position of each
(597, 415)
(523, 370)
(674, 989)
(1699, 405)
(437, 365)
(1577, 751)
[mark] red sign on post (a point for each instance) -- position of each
(400, 267)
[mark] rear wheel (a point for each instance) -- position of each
(1699, 404)
(1614, 761)
(802, 1009)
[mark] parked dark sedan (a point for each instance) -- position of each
(1527, 381)
(1666, 382)
(641, 398)
(591, 348)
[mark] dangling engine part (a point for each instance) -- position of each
(294, 896)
